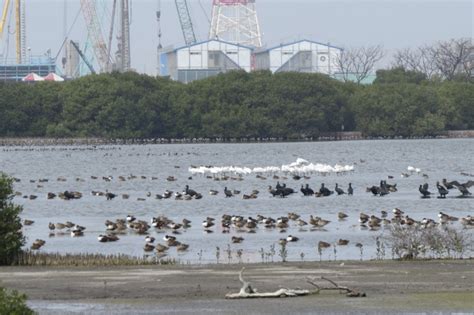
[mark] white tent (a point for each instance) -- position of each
(32, 77)
(53, 77)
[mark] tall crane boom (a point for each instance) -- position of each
(95, 33)
(20, 27)
(79, 51)
(186, 22)
(6, 4)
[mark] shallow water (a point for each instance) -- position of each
(373, 161)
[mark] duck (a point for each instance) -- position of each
(60, 226)
(150, 239)
(213, 192)
(467, 221)
(51, 226)
(291, 238)
(173, 243)
(363, 218)
(112, 237)
(321, 222)
(148, 247)
(161, 248)
(28, 222)
(110, 195)
(342, 215)
(301, 222)
(130, 218)
(37, 244)
(77, 233)
(186, 223)
(323, 245)
(168, 238)
(342, 242)
(182, 247)
(207, 224)
(237, 239)
(397, 212)
(103, 238)
(228, 193)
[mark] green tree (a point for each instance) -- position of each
(11, 236)
(399, 75)
(13, 303)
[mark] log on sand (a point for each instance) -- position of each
(247, 291)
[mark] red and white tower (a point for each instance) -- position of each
(235, 21)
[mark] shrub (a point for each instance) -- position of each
(13, 303)
(411, 242)
(11, 236)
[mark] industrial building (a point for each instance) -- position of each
(12, 71)
(205, 59)
(300, 56)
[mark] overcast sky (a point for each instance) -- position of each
(345, 23)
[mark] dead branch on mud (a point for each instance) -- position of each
(247, 291)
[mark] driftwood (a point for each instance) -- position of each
(247, 291)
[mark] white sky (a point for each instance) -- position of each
(345, 23)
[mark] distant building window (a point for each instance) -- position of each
(195, 53)
(231, 52)
(287, 53)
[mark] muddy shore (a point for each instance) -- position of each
(440, 287)
(329, 136)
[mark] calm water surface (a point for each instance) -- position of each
(373, 161)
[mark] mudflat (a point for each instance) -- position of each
(437, 286)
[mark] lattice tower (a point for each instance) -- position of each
(235, 21)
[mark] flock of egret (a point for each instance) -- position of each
(299, 167)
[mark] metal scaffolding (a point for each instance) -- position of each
(235, 21)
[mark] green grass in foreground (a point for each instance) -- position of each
(29, 258)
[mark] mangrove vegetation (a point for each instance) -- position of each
(237, 105)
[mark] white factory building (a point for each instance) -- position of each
(204, 59)
(301, 56)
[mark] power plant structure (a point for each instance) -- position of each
(234, 42)
(235, 21)
(102, 49)
(100, 40)
(14, 69)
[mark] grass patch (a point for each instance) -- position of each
(29, 258)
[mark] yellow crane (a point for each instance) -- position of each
(20, 27)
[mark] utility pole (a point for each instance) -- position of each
(159, 47)
(125, 35)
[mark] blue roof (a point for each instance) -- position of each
(211, 40)
(297, 42)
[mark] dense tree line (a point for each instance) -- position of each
(236, 105)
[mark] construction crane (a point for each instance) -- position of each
(79, 51)
(186, 22)
(94, 30)
(102, 50)
(20, 23)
